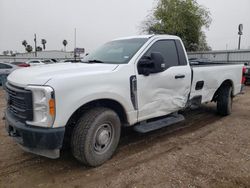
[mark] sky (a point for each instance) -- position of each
(98, 21)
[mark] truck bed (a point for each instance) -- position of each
(208, 77)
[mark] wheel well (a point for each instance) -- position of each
(224, 84)
(108, 103)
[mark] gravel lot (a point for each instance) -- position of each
(204, 151)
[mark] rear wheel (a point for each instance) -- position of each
(96, 136)
(225, 100)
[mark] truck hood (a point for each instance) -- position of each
(40, 75)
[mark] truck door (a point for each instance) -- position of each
(167, 91)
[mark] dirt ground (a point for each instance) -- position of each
(206, 150)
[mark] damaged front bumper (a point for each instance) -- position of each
(41, 141)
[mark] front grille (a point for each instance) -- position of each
(19, 102)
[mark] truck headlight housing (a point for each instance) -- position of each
(43, 106)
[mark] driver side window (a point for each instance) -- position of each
(168, 50)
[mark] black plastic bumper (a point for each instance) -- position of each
(34, 137)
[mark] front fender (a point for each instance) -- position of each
(66, 110)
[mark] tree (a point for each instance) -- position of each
(203, 45)
(5, 52)
(184, 18)
(29, 48)
(65, 42)
(43, 41)
(39, 49)
(24, 43)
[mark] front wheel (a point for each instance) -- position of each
(96, 136)
(225, 101)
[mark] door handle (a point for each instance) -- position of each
(179, 76)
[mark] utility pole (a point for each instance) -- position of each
(240, 28)
(75, 45)
(35, 46)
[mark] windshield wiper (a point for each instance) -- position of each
(95, 61)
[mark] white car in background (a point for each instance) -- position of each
(71, 61)
(49, 61)
(40, 62)
(35, 62)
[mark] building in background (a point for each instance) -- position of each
(51, 54)
(223, 56)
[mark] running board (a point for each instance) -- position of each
(145, 126)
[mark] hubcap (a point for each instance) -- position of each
(103, 138)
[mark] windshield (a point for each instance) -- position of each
(116, 52)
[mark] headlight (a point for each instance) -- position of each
(43, 106)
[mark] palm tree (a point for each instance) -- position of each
(29, 48)
(5, 52)
(43, 43)
(65, 42)
(24, 43)
(39, 49)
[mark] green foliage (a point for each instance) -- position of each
(29, 48)
(65, 42)
(24, 43)
(43, 41)
(39, 49)
(6, 52)
(184, 18)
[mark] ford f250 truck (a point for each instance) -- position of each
(140, 81)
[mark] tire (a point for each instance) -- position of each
(96, 136)
(225, 101)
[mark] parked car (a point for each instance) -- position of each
(5, 70)
(247, 73)
(48, 61)
(35, 62)
(141, 81)
(71, 61)
(20, 64)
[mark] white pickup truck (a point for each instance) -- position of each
(140, 81)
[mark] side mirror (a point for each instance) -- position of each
(153, 64)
